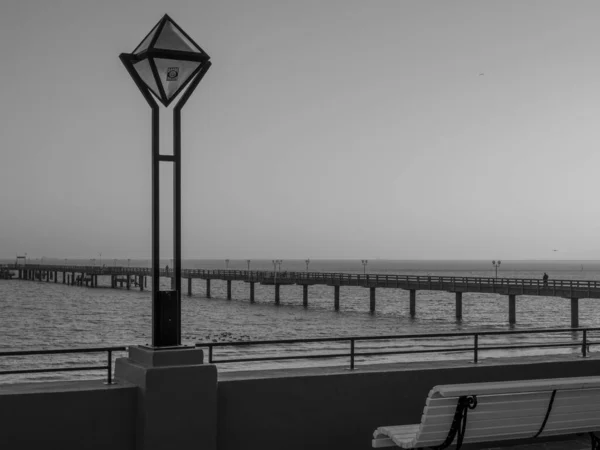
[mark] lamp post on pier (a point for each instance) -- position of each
(307, 261)
(496, 265)
(226, 264)
(166, 63)
(248, 262)
(364, 263)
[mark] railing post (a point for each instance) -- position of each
(584, 344)
(109, 367)
(351, 354)
(210, 353)
(476, 348)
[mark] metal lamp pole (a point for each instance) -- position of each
(364, 263)
(496, 265)
(165, 63)
(307, 261)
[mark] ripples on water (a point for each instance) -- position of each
(42, 315)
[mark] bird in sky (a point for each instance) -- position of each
(554, 250)
(481, 74)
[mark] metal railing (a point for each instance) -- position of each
(107, 367)
(417, 281)
(352, 353)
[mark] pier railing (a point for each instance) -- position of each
(579, 338)
(77, 368)
(416, 281)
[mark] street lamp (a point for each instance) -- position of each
(226, 264)
(248, 262)
(165, 63)
(100, 255)
(496, 265)
(364, 263)
(307, 261)
(128, 262)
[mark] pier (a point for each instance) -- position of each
(137, 277)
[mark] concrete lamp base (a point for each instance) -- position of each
(177, 397)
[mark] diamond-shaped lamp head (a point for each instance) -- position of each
(166, 60)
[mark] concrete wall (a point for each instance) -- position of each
(321, 408)
(74, 415)
(325, 409)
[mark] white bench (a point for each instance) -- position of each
(500, 411)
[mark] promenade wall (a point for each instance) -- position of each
(320, 408)
(68, 416)
(326, 409)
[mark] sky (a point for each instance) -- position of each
(325, 129)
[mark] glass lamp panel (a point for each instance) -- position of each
(174, 73)
(172, 39)
(145, 72)
(146, 42)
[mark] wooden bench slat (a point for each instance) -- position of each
(476, 419)
(488, 408)
(489, 429)
(565, 421)
(456, 390)
(522, 396)
(569, 431)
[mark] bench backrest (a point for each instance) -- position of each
(513, 410)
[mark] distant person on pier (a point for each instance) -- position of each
(545, 278)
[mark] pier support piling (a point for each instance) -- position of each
(208, 288)
(141, 282)
(413, 302)
(372, 302)
(128, 281)
(336, 290)
(305, 295)
(574, 313)
(252, 292)
(277, 293)
(189, 286)
(459, 305)
(228, 289)
(512, 309)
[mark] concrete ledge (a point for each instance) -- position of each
(166, 356)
